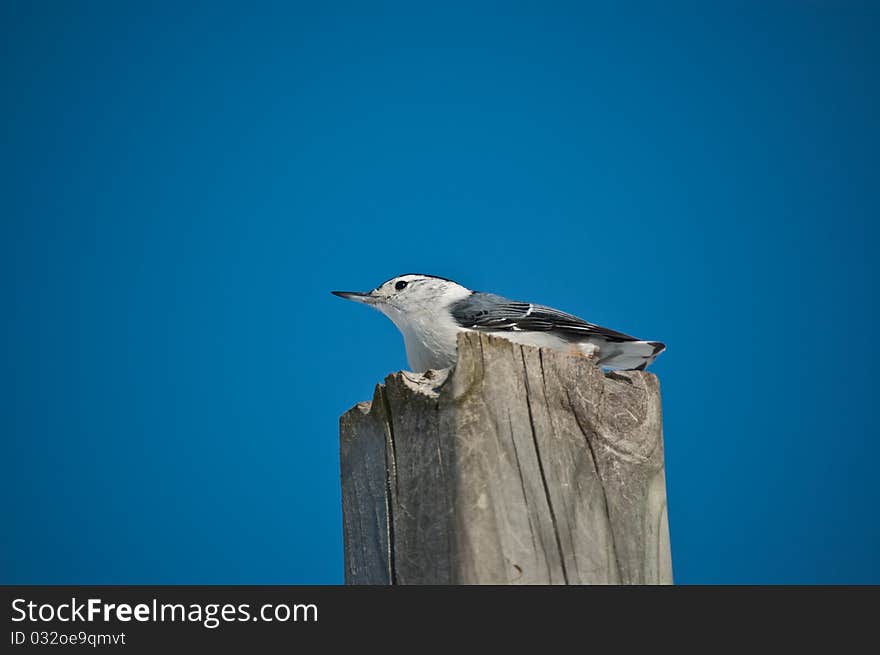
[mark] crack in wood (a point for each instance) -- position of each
(541, 470)
(601, 485)
(391, 472)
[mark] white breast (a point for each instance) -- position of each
(430, 340)
(428, 329)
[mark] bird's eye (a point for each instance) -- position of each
(401, 285)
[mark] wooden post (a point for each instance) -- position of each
(519, 466)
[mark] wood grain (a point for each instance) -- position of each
(519, 466)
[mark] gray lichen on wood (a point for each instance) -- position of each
(519, 466)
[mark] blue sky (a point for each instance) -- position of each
(182, 187)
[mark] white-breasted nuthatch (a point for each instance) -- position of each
(430, 311)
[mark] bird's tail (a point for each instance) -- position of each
(632, 354)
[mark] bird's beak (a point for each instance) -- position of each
(357, 296)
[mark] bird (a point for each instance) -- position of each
(431, 311)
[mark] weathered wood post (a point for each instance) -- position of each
(519, 466)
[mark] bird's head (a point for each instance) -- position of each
(406, 296)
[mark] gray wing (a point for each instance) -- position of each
(491, 313)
